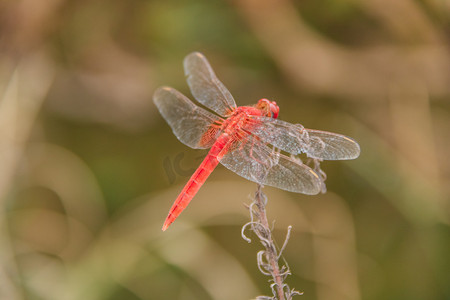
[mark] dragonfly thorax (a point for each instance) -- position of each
(240, 119)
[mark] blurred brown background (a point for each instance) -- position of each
(89, 168)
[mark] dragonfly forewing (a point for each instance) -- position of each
(205, 87)
(192, 125)
(331, 146)
(295, 139)
(283, 135)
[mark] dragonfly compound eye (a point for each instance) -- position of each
(274, 109)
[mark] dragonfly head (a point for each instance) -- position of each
(270, 108)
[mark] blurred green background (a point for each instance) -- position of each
(89, 169)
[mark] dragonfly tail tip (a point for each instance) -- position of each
(166, 225)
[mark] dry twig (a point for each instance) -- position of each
(269, 258)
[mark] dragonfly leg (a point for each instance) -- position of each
(272, 159)
(314, 163)
(317, 146)
(303, 137)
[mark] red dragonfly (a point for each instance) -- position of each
(248, 140)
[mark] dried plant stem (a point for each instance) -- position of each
(270, 255)
(268, 259)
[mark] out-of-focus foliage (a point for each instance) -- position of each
(89, 169)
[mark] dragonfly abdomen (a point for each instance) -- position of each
(196, 181)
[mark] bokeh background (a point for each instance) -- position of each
(89, 168)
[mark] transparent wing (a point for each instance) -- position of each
(255, 161)
(205, 87)
(331, 146)
(283, 135)
(296, 139)
(192, 125)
